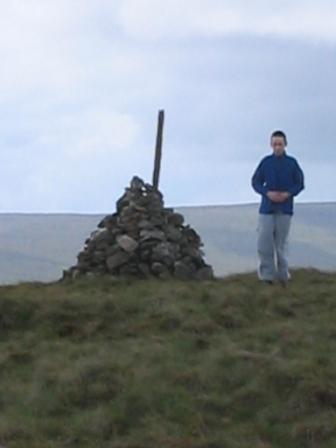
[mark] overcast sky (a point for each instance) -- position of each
(81, 82)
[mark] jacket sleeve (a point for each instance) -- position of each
(298, 185)
(258, 180)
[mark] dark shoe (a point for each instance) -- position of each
(268, 282)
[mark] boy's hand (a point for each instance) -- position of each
(285, 195)
(274, 196)
(278, 196)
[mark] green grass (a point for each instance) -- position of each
(225, 363)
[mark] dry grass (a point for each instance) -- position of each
(227, 363)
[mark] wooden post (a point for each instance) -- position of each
(158, 150)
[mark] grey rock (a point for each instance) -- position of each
(145, 255)
(158, 268)
(158, 221)
(98, 256)
(176, 219)
(192, 236)
(165, 253)
(112, 250)
(184, 271)
(137, 207)
(94, 234)
(137, 183)
(173, 234)
(162, 251)
(126, 213)
(144, 270)
(145, 225)
(152, 235)
(103, 235)
(118, 259)
(108, 222)
(127, 243)
(84, 265)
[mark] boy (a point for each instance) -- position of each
(278, 178)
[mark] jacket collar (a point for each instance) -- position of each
(283, 155)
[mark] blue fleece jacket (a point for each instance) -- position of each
(278, 173)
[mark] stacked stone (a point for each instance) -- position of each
(142, 239)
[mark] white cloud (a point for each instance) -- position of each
(35, 38)
(90, 133)
(300, 19)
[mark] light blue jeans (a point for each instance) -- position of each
(273, 232)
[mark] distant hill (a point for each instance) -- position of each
(40, 246)
(230, 232)
(223, 364)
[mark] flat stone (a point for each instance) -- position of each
(83, 256)
(164, 253)
(176, 219)
(137, 183)
(113, 249)
(98, 256)
(173, 234)
(145, 255)
(194, 253)
(126, 213)
(137, 207)
(108, 221)
(103, 235)
(158, 268)
(158, 221)
(192, 236)
(184, 271)
(145, 225)
(152, 235)
(102, 245)
(127, 243)
(118, 259)
(144, 269)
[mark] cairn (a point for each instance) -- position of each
(142, 239)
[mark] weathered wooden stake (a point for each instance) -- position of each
(158, 150)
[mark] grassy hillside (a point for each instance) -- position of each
(227, 363)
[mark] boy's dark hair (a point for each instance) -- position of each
(280, 134)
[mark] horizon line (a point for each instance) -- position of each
(237, 204)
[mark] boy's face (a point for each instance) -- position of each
(279, 145)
